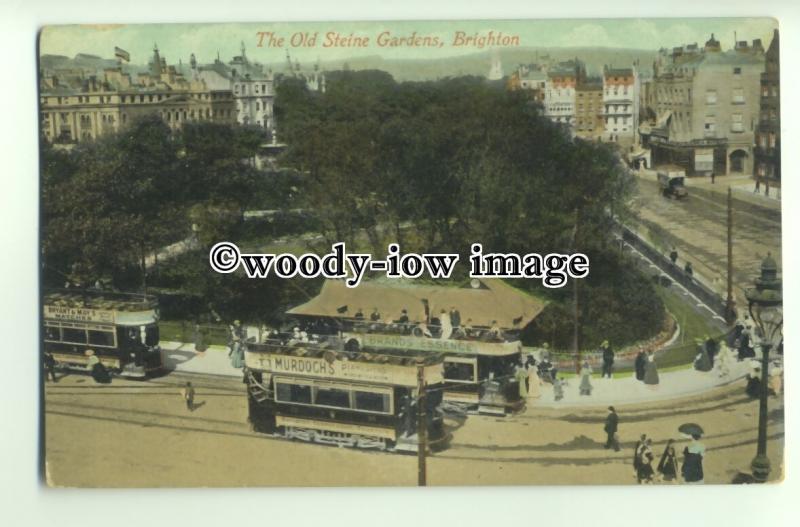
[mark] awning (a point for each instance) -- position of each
(494, 300)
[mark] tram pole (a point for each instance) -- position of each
(422, 436)
(730, 303)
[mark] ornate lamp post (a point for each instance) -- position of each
(765, 302)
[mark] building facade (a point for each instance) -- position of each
(768, 132)
(559, 94)
(75, 109)
(620, 105)
(706, 103)
(589, 114)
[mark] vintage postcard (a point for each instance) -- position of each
(526, 252)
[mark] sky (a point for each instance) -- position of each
(178, 41)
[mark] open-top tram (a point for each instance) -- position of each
(480, 351)
(120, 329)
(365, 399)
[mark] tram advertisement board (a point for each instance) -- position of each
(350, 370)
(78, 314)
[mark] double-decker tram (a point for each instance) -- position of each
(476, 328)
(121, 329)
(320, 393)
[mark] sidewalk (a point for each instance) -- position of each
(181, 357)
(628, 390)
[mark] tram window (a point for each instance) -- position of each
(101, 338)
(52, 333)
(292, 393)
(372, 402)
(333, 397)
(459, 371)
(75, 336)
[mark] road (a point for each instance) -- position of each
(139, 434)
(697, 228)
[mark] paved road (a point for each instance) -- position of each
(697, 228)
(134, 434)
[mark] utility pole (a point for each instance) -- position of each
(730, 303)
(422, 425)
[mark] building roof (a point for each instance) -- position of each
(493, 300)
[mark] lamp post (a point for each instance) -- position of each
(765, 302)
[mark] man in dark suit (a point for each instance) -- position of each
(612, 422)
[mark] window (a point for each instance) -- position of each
(458, 371)
(372, 402)
(738, 96)
(101, 338)
(736, 123)
(711, 97)
(292, 393)
(333, 397)
(772, 140)
(74, 336)
(52, 333)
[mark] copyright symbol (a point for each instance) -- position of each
(224, 257)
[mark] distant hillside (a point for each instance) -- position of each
(478, 63)
(416, 70)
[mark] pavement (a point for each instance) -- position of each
(628, 390)
(181, 357)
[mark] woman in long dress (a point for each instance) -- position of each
(668, 466)
(534, 383)
(693, 454)
(651, 371)
(586, 379)
(521, 376)
(644, 472)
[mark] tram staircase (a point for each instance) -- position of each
(256, 390)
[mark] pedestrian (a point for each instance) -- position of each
(673, 256)
(693, 454)
(50, 365)
(668, 466)
(723, 362)
(757, 190)
(199, 339)
(644, 473)
(455, 317)
(608, 359)
(688, 270)
(712, 348)
(521, 376)
(359, 314)
(558, 388)
(610, 428)
(375, 316)
(753, 387)
(702, 362)
(96, 368)
(639, 365)
(236, 354)
(586, 379)
(534, 381)
(651, 371)
(636, 450)
(188, 396)
(713, 175)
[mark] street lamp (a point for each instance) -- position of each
(765, 302)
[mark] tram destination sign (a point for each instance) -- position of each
(79, 314)
(342, 370)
